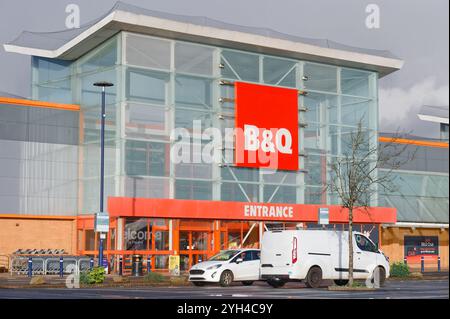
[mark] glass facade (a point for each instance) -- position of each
(163, 84)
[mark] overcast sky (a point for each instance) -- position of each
(415, 30)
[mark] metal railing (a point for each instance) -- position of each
(49, 265)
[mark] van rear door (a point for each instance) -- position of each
(278, 251)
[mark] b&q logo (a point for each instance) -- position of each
(266, 127)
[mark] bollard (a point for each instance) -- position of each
(439, 263)
(120, 266)
(61, 267)
(91, 263)
(30, 267)
(149, 265)
(422, 264)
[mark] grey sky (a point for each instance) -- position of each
(414, 30)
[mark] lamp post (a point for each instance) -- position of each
(103, 85)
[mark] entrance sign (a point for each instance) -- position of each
(101, 222)
(266, 127)
(324, 216)
(174, 265)
(204, 209)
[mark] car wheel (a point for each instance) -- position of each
(382, 276)
(341, 282)
(198, 284)
(314, 277)
(276, 282)
(226, 278)
(247, 283)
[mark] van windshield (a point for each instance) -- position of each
(224, 255)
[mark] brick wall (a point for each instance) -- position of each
(23, 233)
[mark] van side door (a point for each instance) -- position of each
(365, 256)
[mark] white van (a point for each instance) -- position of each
(313, 255)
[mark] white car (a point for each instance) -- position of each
(227, 266)
(313, 255)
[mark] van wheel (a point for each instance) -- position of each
(226, 278)
(247, 283)
(382, 276)
(341, 282)
(198, 284)
(314, 277)
(276, 282)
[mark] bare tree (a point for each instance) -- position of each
(355, 178)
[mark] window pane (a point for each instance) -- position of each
(145, 187)
(193, 190)
(354, 82)
(240, 66)
(146, 158)
(147, 52)
(146, 121)
(193, 92)
(320, 77)
(147, 86)
(136, 234)
(279, 72)
(193, 59)
(232, 192)
(280, 194)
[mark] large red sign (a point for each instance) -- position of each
(266, 127)
(203, 209)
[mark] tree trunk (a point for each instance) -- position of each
(350, 247)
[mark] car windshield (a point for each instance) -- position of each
(224, 255)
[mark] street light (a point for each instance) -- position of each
(103, 85)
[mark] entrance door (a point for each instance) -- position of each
(194, 247)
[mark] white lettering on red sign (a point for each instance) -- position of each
(268, 211)
(267, 143)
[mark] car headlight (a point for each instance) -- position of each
(214, 267)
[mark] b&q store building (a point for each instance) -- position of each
(168, 71)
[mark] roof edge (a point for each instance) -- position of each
(120, 20)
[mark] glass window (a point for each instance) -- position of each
(185, 119)
(148, 121)
(232, 192)
(240, 66)
(136, 234)
(89, 240)
(279, 72)
(198, 190)
(193, 92)
(161, 240)
(365, 244)
(50, 69)
(355, 110)
(280, 194)
(103, 57)
(147, 52)
(147, 86)
(224, 255)
(146, 158)
(193, 59)
(355, 82)
(320, 77)
(256, 255)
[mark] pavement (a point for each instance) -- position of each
(394, 289)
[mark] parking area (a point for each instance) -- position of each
(410, 289)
